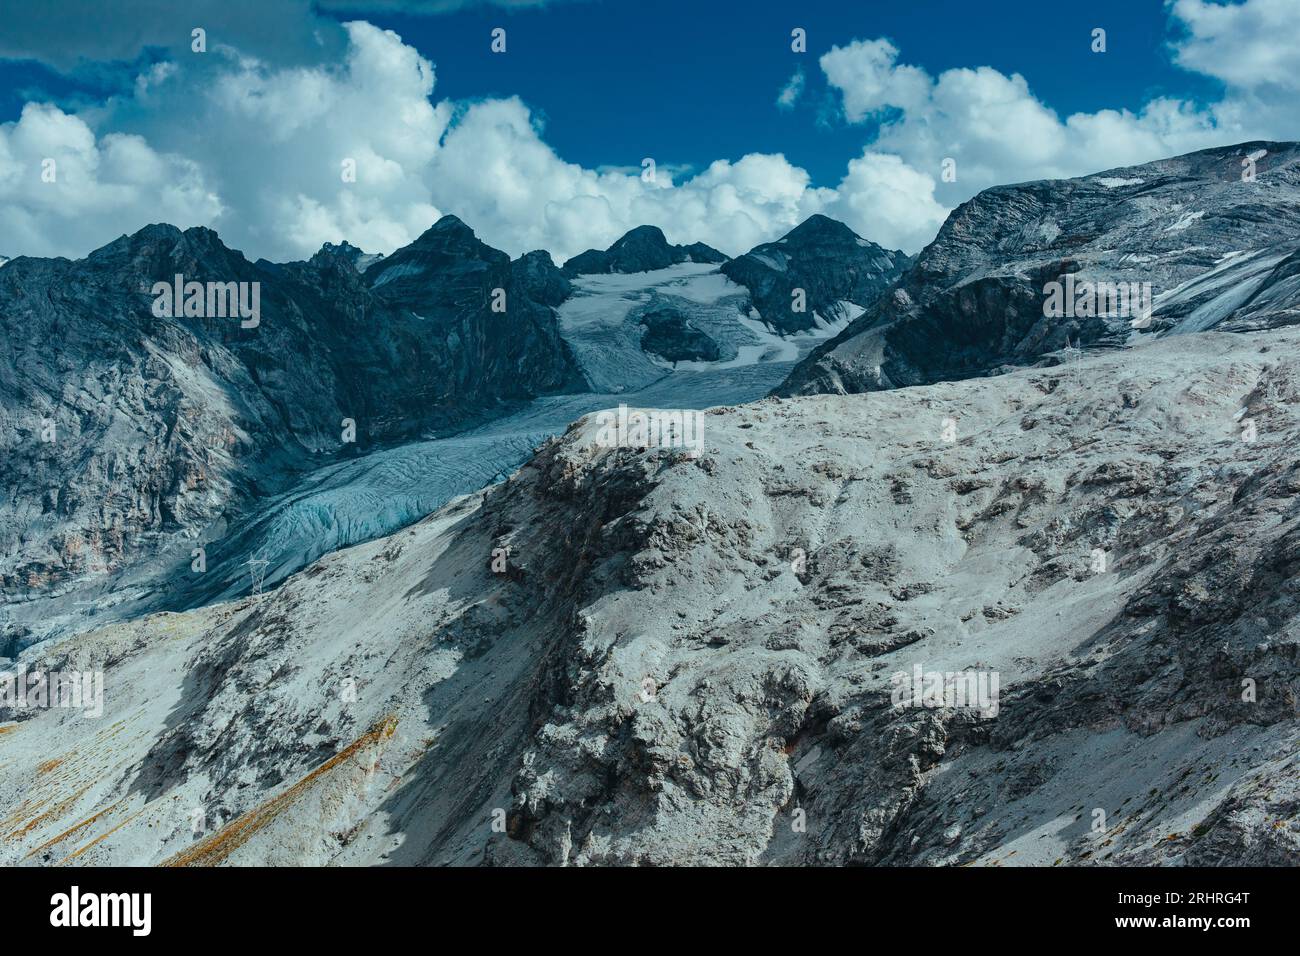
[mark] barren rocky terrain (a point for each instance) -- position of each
(635, 656)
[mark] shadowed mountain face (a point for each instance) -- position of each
(1214, 234)
(825, 259)
(643, 249)
(123, 432)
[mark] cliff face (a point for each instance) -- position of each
(626, 656)
(1214, 240)
(124, 433)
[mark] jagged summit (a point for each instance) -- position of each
(197, 417)
(833, 266)
(642, 249)
(820, 227)
(447, 226)
(345, 252)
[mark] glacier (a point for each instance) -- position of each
(360, 499)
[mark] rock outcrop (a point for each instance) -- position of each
(1212, 235)
(671, 336)
(125, 435)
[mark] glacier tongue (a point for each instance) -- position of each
(373, 496)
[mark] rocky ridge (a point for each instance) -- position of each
(1213, 234)
(824, 258)
(642, 249)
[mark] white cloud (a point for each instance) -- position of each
(1246, 45)
(995, 130)
(63, 191)
(270, 143)
(792, 90)
(884, 198)
(495, 172)
(255, 148)
(867, 75)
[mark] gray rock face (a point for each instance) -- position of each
(824, 258)
(360, 260)
(627, 656)
(124, 435)
(1213, 233)
(643, 249)
(670, 335)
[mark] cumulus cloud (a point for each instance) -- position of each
(64, 191)
(989, 127)
(259, 149)
(496, 172)
(271, 142)
(995, 130)
(1246, 45)
(884, 198)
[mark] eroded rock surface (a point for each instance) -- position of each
(628, 656)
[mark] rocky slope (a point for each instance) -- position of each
(642, 249)
(127, 436)
(635, 656)
(1214, 233)
(824, 258)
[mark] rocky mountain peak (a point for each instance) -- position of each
(540, 278)
(646, 238)
(448, 229)
(642, 249)
(450, 237)
(160, 250)
(821, 228)
(824, 258)
(344, 253)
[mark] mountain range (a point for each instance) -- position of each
(570, 653)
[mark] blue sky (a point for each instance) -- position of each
(542, 146)
(691, 80)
